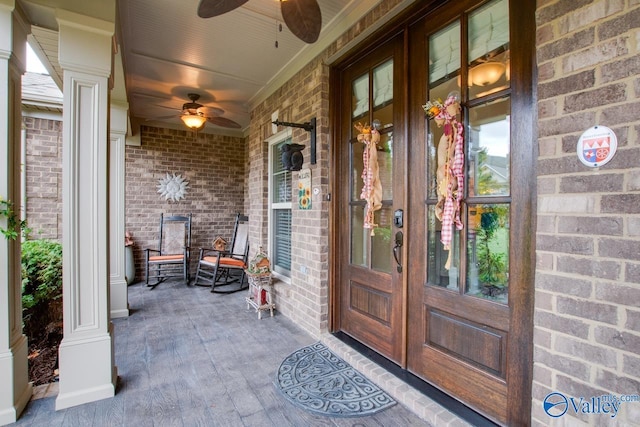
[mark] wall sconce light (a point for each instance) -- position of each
(193, 121)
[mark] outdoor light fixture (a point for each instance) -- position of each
(310, 127)
(193, 121)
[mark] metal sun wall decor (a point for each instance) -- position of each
(173, 187)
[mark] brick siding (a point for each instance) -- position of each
(44, 177)
(306, 299)
(588, 247)
(214, 166)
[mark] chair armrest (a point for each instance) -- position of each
(207, 251)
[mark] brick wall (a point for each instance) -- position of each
(587, 315)
(306, 299)
(44, 177)
(214, 166)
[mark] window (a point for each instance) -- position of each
(279, 207)
(483, 251)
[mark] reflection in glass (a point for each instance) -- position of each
(444, 53)
(383, 84)
(359, 237)
(360, 100)
(442, 265)
(434, 135)
(385, 165)
(281, 177)
(488, 251)
(357, 150)
(381, 242)
(367, 250)
(489, 63)
(488, 147)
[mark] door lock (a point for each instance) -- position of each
(398, 218)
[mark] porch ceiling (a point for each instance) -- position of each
(167, 52)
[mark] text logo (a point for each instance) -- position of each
(555, 404)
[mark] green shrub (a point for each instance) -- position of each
(41, 275)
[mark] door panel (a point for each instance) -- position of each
(458, 313)
(370, 286)
(465, 299)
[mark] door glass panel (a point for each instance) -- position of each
(381, 241)
(435, 135)
(488, 251)
(383, 95)
(359, 237)
(489, 63)
(357, 149)
(443, 265)
(360, 98)
(371, 248)
(444, 54)
(385, 165)
(488, 149)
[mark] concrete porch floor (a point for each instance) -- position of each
(187, 357)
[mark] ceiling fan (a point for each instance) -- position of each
(193, 115)
(303, 17)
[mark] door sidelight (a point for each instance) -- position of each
(396, 251)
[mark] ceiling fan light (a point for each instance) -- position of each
(486, 73)
(193, 121)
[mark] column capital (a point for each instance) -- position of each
(86, 43)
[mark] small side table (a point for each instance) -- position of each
(260, 293)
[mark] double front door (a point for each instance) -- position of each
(433, 213)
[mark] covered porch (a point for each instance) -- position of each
(187, 357)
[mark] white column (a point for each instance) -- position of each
(117, 265)
(15, 389)
(86, 356)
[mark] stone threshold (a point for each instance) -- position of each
(421, 405)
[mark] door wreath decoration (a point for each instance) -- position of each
(450, 160)
(372, 187)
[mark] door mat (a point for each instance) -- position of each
(317, 380)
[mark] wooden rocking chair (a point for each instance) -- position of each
(171, 259)
(219, 268)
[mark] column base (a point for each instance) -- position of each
(87, 371)
(16, 391)
(119, 299)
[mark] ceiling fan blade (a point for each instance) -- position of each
(211, 8)
(162, 117)
(225, 123)
(208, 110)
(303, 17)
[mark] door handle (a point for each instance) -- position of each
(396, 251)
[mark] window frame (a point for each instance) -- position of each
(272, 142)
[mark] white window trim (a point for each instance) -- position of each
(273, 141)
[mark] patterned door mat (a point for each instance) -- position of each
(317, 380)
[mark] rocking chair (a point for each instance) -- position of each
(171, 259)
(219, 268)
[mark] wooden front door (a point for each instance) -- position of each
(454, 306)
(370, 289)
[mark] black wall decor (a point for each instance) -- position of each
(292, 156)
(310, 127)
